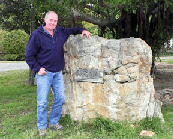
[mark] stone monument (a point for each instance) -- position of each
(109, 77)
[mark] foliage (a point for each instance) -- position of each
(42, 7)
(14, 44)
(16, 14)
(148, 20)
(93, 29)
(2, 33)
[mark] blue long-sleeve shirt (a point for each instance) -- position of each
(46, 51)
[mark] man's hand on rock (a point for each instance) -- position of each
(87, 33)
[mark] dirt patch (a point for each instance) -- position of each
(163, 76)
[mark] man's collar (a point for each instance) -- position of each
(47, 31)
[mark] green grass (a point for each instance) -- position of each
(169, 61)
(18, 117)
(17, 105)
(11, 61)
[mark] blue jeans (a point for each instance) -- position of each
(44, 82)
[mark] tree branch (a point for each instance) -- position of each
(88, 18)
(92, 19)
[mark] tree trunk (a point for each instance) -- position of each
(73, 22)
(31, 72)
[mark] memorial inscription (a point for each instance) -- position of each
(88, 75)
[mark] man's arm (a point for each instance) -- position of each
(77, 30)
(31, 53)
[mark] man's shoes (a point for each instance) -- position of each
(42, 132)
(56, 127)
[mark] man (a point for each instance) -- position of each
(44, 54)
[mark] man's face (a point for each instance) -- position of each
(51, 21)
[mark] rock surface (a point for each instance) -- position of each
(146, 133)
(109, 77)
(165, 96)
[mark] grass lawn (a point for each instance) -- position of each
(11, 61)
(18, 117)
(169, 61)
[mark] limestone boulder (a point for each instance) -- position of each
(109, 77)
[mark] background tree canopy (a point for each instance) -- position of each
(150, 20)
(15, 14)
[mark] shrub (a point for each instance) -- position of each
(14, 45)
(2, 33)
(93, 29)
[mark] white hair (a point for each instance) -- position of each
(49, 13)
